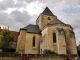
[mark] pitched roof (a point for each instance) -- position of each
(32, 28)
(47, 11)
(56, 21)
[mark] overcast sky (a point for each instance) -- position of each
(19, 13)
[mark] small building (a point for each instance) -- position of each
(49, 33)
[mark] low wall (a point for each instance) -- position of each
(12, 56)
(9, 58)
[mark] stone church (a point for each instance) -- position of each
(49, 33)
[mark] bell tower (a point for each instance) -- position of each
(44, 18)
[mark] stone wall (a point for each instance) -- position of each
(15, 56)
(65, 39)
(25, 43)
(21, 41)
(29, 48)
(9, 58)
(43, 20)
(12, 58)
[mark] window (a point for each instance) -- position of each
(48, 18)
(54, 37)
(33, 41)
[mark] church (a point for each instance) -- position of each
(49, 33)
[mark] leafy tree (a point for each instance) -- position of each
(49, 52)
(6, 38)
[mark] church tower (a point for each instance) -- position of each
(44, 18)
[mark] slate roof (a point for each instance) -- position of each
(32, 29)
(56, 21)
(47, 11)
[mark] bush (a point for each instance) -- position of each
(49, 52)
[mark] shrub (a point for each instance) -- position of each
(49, 52)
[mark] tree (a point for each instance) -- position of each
(6, 38)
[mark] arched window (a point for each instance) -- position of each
(54, 37)
(33, 41)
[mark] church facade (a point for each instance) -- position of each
(49, 33)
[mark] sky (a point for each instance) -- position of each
(19, 13)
